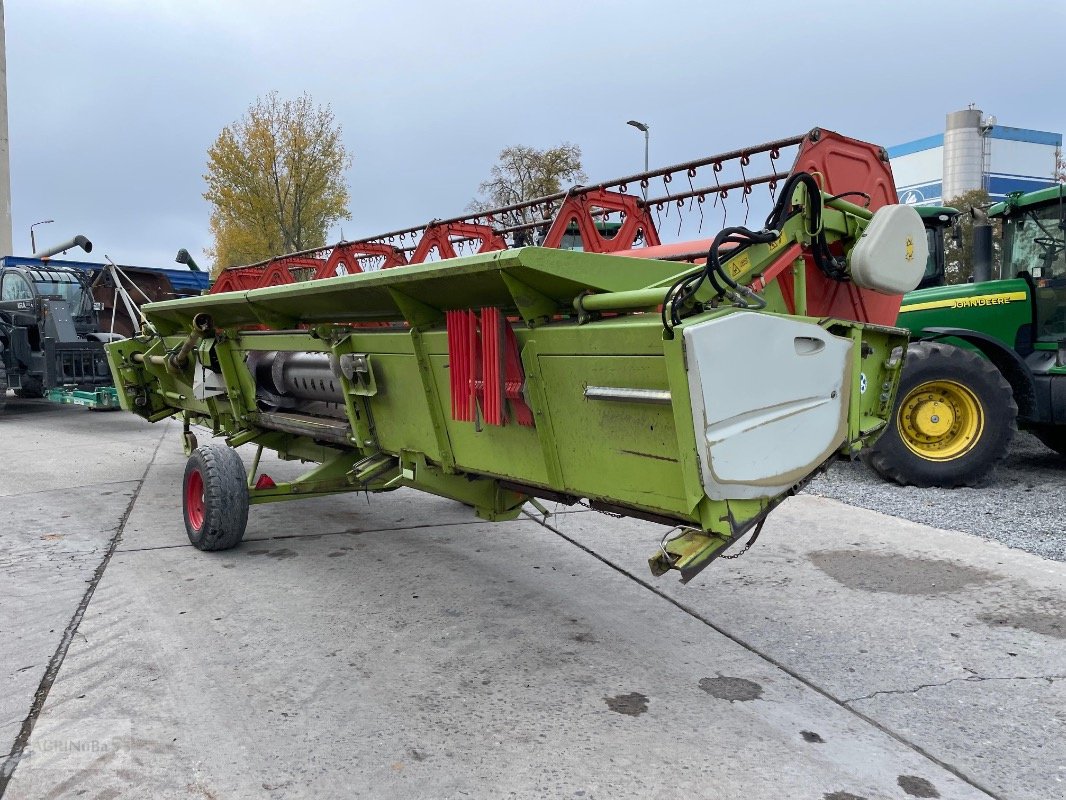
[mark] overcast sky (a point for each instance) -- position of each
(113, 103)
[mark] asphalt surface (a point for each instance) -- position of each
(398, 648)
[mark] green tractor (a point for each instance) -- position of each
(987, 357)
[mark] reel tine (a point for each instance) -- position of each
(774, 155)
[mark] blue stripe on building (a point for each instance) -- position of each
(920, 194)
(1014, 175)
(925, 185)
(917, 146)
(1022, 135)
(1000, 185)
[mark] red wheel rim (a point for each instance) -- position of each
(194, 499)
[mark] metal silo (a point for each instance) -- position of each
(964, 155)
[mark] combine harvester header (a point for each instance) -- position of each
(695, 385)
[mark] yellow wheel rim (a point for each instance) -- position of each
(940, 420)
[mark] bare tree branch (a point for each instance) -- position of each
(524, 173)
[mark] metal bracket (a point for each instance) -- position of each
(535, 307)
(417, 313)
(688, 552)
(207, 383)
(188, 438)
(357, 369)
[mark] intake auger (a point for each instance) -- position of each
(694, 385)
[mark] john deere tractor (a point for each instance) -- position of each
(988, 356)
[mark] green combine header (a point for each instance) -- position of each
(697, 395)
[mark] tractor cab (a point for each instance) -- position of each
(1034, 248)
(49, 338)
(938, 220)
(56, 298)
(572, 238)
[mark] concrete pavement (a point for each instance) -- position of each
(398, 648)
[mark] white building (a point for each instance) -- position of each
(974, 153)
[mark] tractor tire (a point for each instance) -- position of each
(954, 422)
(1054, 436)
(215, 497)
(30, 390)
(3, 384)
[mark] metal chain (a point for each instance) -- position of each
(599, 511)
(751, 541)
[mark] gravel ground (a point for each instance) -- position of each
(1023, 506)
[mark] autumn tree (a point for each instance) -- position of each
(275, 180)
(523, 173)
(958, 256)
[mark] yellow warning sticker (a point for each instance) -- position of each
(739, 265)
(910, 249)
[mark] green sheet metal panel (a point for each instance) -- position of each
(607, 447)
(401, 414)
(508, 451)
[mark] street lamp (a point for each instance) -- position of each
(33, 244)
(642, 126)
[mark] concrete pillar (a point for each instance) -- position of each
(5, 158)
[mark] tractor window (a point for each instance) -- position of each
(64, 286)
(15, 288)
(1037, 244)
(934, 238)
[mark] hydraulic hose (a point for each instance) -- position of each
(717, 276)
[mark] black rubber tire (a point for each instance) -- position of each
(223, 515)
(1053, 436)
(31, 390)
(932, 361)
(3, 383)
